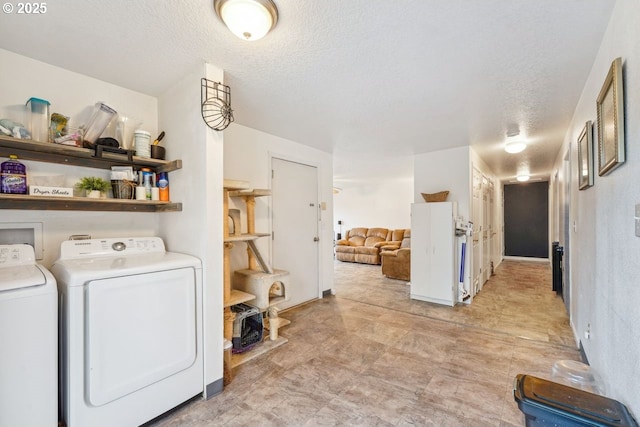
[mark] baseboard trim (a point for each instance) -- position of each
(583, 355)
(214, 389)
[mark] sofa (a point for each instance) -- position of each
(396, 256)
(362, 245)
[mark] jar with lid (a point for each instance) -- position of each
(142, 141)
(13, 176)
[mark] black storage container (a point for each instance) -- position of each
(548, 404)
(557, 252)
(247, 327)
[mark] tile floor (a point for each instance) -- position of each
(370, 356)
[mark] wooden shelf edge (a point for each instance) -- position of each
(238, 297)
(261, 348)
(245, 237)
(24, 202)
(250, 193)
(234, 184)
(27, 149)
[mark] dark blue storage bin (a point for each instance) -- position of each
(548, 404)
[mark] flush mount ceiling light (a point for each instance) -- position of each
(248, 19)
(523, 178)
(515, 147)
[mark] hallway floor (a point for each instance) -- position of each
(369, 356)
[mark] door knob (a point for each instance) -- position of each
(316, 239)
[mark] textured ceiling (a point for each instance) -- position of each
(351, 76)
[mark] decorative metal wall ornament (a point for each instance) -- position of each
(216, 104)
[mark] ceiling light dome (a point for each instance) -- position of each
(523, 178)
(515, 147)
(248, 19)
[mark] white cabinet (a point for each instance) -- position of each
(433, 252)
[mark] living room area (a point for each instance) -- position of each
(374, 200)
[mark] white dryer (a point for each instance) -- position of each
(130, 330)
(28, 340)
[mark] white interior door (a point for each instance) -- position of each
(476, 217)
(486, 230)
(566, 206)
(294, 189)
(433, 267)
(420, 250)
(442, 254)
(493, 241)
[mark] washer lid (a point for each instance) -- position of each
(21, 276)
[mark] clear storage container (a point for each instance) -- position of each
(38, 119)
(101, 118)
(577, 374)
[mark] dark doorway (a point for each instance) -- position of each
(526, 220)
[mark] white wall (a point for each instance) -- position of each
(604, 249)
(73, 95)
(445, 170)
(247, 157)
(375, 191)
(371, 203)
(197, 230)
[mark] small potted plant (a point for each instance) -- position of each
(94, 187)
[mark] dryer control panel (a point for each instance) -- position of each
(72, 249)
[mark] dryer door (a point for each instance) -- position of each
(139, 330)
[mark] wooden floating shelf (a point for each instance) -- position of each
(24, 202)
(249, 193)
(27, 149)
(261, 348)
(245, 237)
(234, 184)
(238, 297)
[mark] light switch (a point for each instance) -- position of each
(637, 218)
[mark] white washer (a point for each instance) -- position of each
(130, 330)
(28, 340)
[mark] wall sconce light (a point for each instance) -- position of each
(523, 178)
(514, 147)
(248, 19)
